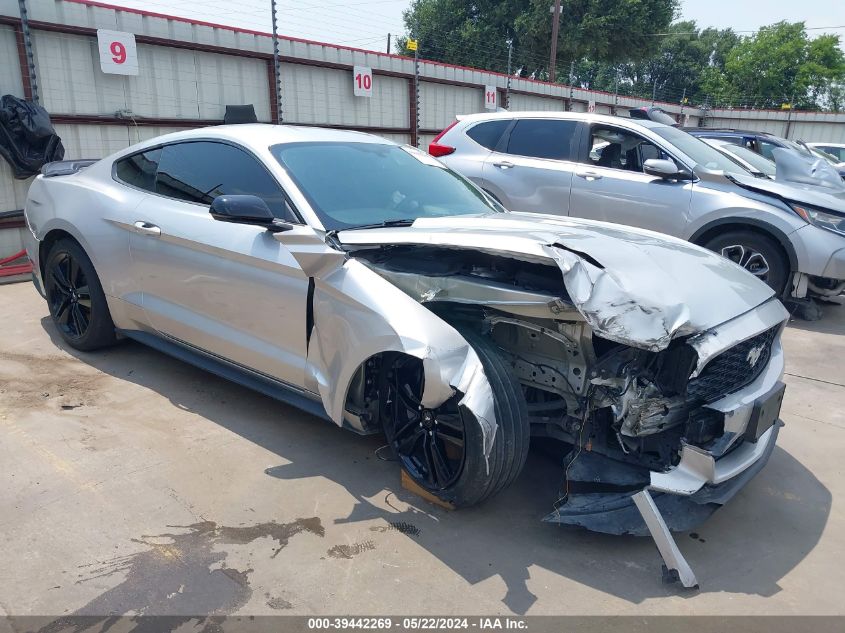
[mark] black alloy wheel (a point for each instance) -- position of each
(430, 443)
(70, 296)
(75, 297)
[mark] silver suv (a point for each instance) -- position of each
(658, 177)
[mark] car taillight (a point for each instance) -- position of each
(436, 149)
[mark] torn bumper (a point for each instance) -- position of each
(617, 513)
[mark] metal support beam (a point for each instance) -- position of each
(27, 44)
(415, 122)
(675, 563)
(277, 68)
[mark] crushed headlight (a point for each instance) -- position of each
(821, 218)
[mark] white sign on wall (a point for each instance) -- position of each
(591, 106)
(362, 81)
(490, 97)
(118, 55)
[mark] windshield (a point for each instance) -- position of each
(357, 184)
(757, 161)
(699, 151)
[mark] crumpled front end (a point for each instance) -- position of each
(706, 441)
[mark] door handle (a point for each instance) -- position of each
(145, 228)
(504, 164)
(589, 175)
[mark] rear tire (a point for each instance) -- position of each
(758, 254)
(76, 299)
(416, 436)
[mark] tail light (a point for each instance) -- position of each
(436, 149)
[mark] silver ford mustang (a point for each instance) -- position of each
(367, 283)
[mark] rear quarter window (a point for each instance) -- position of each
(488, 134)
(139, 170)
(543, 138)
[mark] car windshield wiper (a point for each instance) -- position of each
(381, 225)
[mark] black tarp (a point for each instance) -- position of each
(27, 137)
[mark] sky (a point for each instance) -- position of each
(365, 24)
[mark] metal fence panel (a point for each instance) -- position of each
(534, 103)
(224, 79)
(324, 95)
(10, 71)
(439, 103)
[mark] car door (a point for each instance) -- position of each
(531, 167)
(610, 184)
(228, 289)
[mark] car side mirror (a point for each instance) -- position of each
(664, 168)
(245, 209)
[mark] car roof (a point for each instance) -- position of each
(573, 116)
(726, 131)
(825, 144)
(261, 136)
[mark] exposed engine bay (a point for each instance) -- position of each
(629, 404)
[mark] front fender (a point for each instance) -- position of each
(358, 314)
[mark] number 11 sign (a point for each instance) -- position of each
(362, 81)
(118, 55)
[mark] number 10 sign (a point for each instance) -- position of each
(118, 55)
(362, 81)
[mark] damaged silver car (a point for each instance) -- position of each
(367, 283)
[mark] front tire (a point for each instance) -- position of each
(76, 299)
(758, 254)
(442, 449)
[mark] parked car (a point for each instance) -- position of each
(764, 143)
(837, 150)
(654, 176)
(368, 283)
(757, 164)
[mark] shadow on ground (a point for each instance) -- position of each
(745, 548)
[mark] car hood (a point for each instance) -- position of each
(814, 195)
(633, 286)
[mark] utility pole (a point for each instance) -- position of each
(27, 45)
(616, 91)
(277, 68)
(789, 115)
(508, 86)
(555, 28)
(388, 43)
(654, 91)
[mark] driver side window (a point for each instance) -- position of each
(199, 171)
(614, 148)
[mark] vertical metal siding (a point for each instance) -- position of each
(324, 95)
(534, 103)
(10, 70)
(12, 191)
(224, 79)
(439, 103)
(98, 141)
(69, 77)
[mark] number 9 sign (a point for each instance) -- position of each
(118, 55)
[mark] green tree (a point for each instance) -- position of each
(475, 33)
(780, 64)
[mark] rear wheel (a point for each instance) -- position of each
(76, 299)
(758, 254)
(442, 449)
